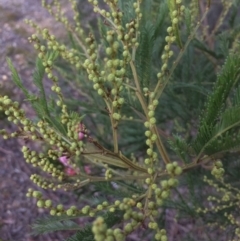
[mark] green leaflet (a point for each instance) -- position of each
(54, 223)
(188, 20)
(214, 121)
(144, 54)
(17, 80)
(180, 147)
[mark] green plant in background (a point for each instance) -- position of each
(129, 128)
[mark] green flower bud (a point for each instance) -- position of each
(147, 124)
(154, 137)
(148, 133)
(115, 45)
(86, 209)
(151, 205)
(174, 13)
(120, 101)
(155, 102)
(37, 194)
(178, 171)
(28, 195)
(100, 92)
(128, 228)
(108, 51)
(151, 113)
(164, 67)
(117, 203)
(42, 48)
(53, 212)
(169, 29)
(109, 63)
(117, 231)
(48, 203)
(60, 207)
(116, 62)
(150, 171)
(169, 168)
(7, 102)
(152, 120)
(50, 75)
(148, 180)
(110, 238)
(172, 182)
(164, 184)
(116, 116)
(175, 21)
(70, 212)
(159, 202)
(109, 38)
(158, 236)
(149, 151)
(111, 77)
(166, 47)
(164, 238)
(40, 203)
(148, 142)
(99, 207)
(126, 37)
(125, 53)
(147, 161)
(182, 8)
(96, 86)
(165, 194)
(115, 103)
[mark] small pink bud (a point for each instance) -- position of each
(64, 160)
(81, 135)
(69, 171)
(87, 169)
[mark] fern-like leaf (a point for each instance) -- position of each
(17, 80)
(52, 224)
(180, 147)
(84, 235)
(144, 53)
(227, 78)
(38, 81)
(209, 130)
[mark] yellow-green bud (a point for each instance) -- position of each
(178, 171)
(175, 21)
(40, 203)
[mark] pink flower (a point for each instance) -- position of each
(64, 160)
(81, 135)
(69, 171)
(87, 169)
(81, 131)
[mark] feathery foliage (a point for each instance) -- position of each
(139, 122)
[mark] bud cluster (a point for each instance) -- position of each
(226, 199)
(217, 170)
(176, 13)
